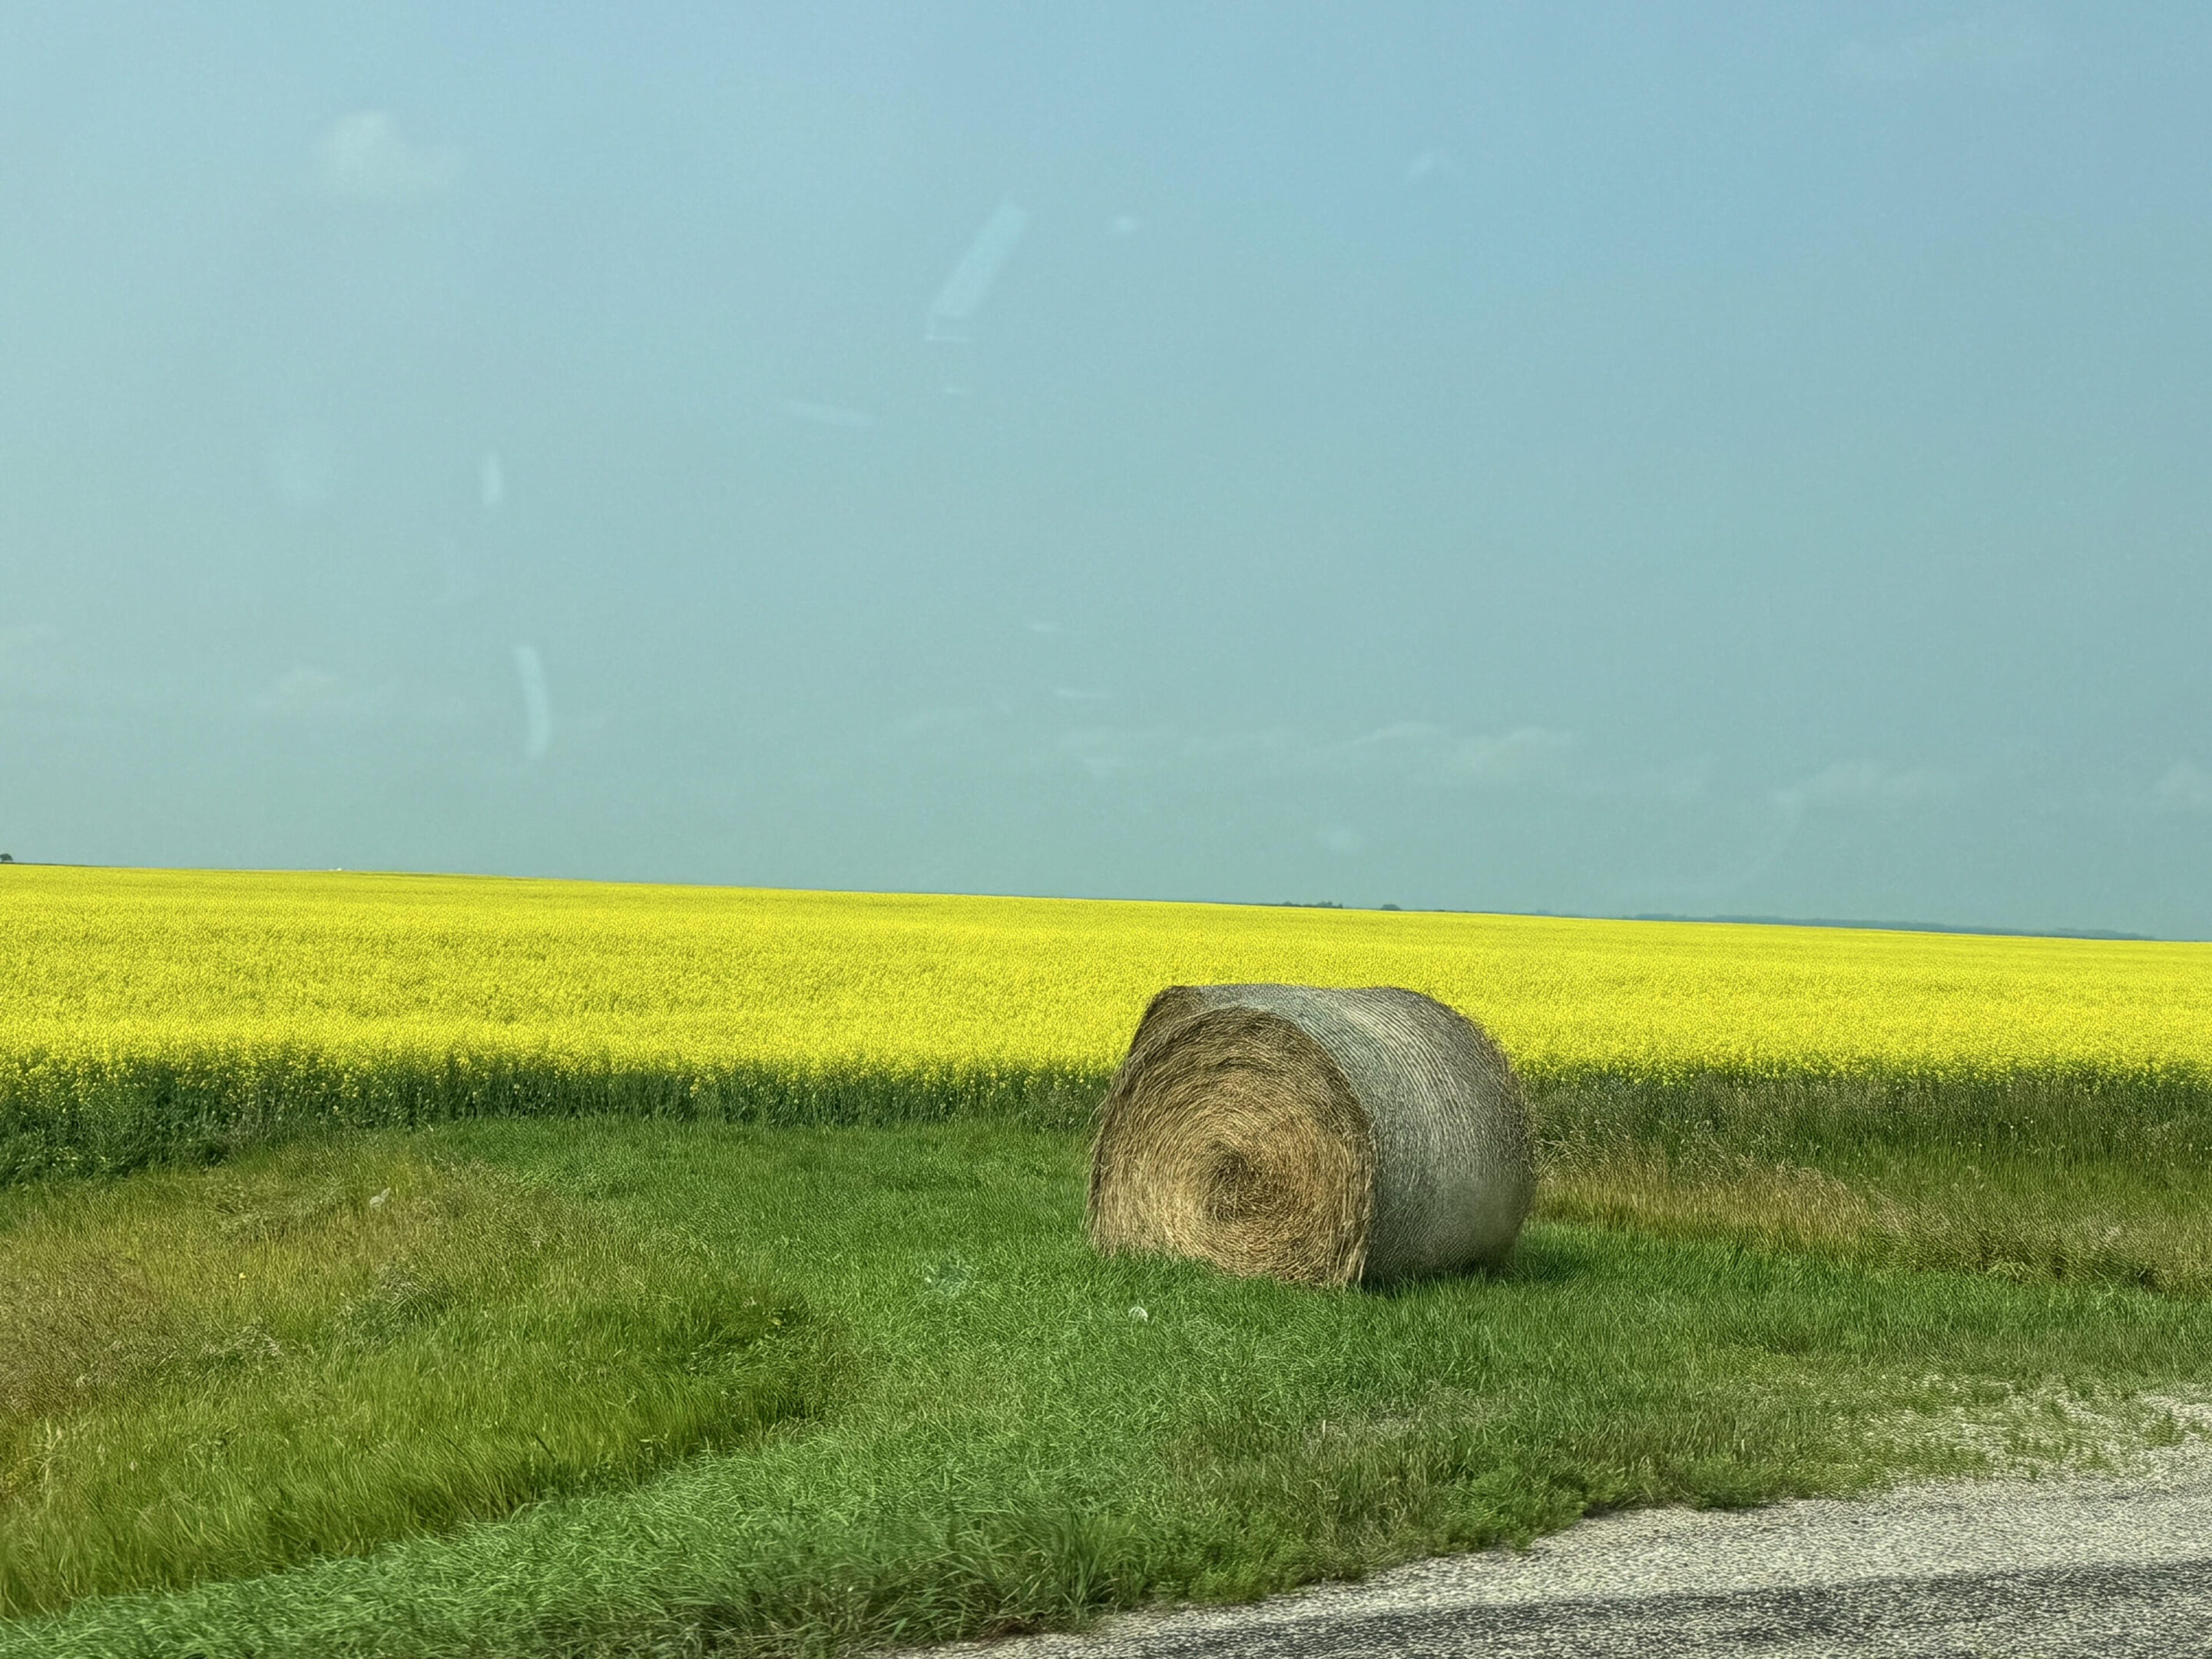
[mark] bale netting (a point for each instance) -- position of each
(1322, 1136)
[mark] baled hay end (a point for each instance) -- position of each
(1322, 1136)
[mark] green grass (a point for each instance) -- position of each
(2065, 1173)
(1007, 1448)
(312, 1353)
(2033, 1177)
(113, 1114)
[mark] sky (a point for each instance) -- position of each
(1597, 460)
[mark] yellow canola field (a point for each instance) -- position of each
(102, 966)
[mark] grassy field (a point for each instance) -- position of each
(628, 1355)
(1009, 1446)
(331, 1346)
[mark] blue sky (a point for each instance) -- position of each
(1703, 460)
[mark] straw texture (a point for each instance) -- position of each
(1323, 1136)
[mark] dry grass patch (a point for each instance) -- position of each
(2021, 1218)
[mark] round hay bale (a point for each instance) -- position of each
(1323, 1136)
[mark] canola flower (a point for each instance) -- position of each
(237, 995)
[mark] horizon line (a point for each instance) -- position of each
(1966, 928)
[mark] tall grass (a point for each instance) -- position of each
(108, 1114)
(312, 1353)
(2063, 1175)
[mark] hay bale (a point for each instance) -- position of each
(1325, 1137)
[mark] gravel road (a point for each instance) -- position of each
(2108, 1566)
